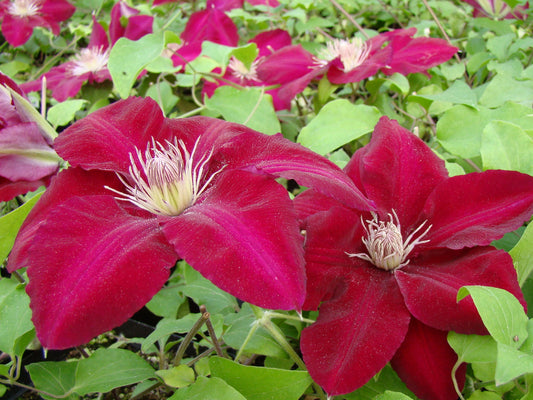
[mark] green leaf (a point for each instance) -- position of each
(168, 326)
(501, 312)
(527, 346)
(473, 348)
(506, 146)
(260, 343)
(504, 88)
(103, 371)
(511, 363)
(338, 122)
(162, 93)
(250, 107)
(178, 377)
(208, 389)
(260, 383)
(388, 395)
(63, 113)
(523, 256)
(460, 128)
(484, 395)
(387, 379)
(458, 93)
(11, 223)
(202, 291)
(128, 58)
(167, 302)
(15, 317)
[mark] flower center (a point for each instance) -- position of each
(495, 8)
(24, 8)
(352, 53)
(168, 181)
(239, 70)
(92, 59)
(385, 245)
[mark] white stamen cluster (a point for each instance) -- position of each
(24, 8)
(385, 245)
(167, 181)
(352, 53)
(495, 8)
(91, 59)
(239, 70)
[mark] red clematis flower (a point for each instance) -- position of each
(345, 61)
(497, 9)
(386, 282)
(267, 42)
(27, 160)
(90, 64)
(144, 191)
(19, 17)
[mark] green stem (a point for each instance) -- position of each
(248, 337)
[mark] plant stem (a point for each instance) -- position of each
(350, 18)
(212, 333)
(188, 338)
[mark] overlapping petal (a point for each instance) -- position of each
(424, 362)
(243, 236)
(343, 349)
(86, 281)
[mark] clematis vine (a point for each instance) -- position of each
(89, 65)
(385, 282)
(27, 160)
(19, 17)
(344, 61)
(144, 191)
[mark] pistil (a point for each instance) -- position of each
(239, 70)
(384, 242)
(351, 53)
(24, 8)
(92, 59)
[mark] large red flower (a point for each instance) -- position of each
(144, 191)
(386, 282)
(89, 65)
(19, 17)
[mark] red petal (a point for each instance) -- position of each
(68, 183)
(212, 25)
(17, 31)
(243, 236)
(430, 285)
(98, 36)
(357, 333)
(57, 10)
(277, 156)
(398, 171)
(270, 41)
(330, 236)
(91, 268)
(286, 65)
(477, 208)
(368, 68)
(424, 363)
(105, 138)
(9, 190)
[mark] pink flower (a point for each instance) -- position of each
(386, 282)
(497, 9)
(27, 160)
(227, 5)
(267, 43)
(89, 65)
(345, 61)
(19, 17)
(144, 191)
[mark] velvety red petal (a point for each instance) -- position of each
(138, 26)
(330, 236)
(271, 3)
(212, 25)
(424, 363)
(17, 31)
(356, 333)
(57, 10)
(431, 283)
(288, 64)
(270, 41)
(98, 36)
(417, 55)
(477, 208)
(243, 236)
(9, 190)
(72, 182)
(224, 5)
(105, 138)
(368, 68)
(311, 202)
(276, 156)
(91, 268)
(398, 171)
